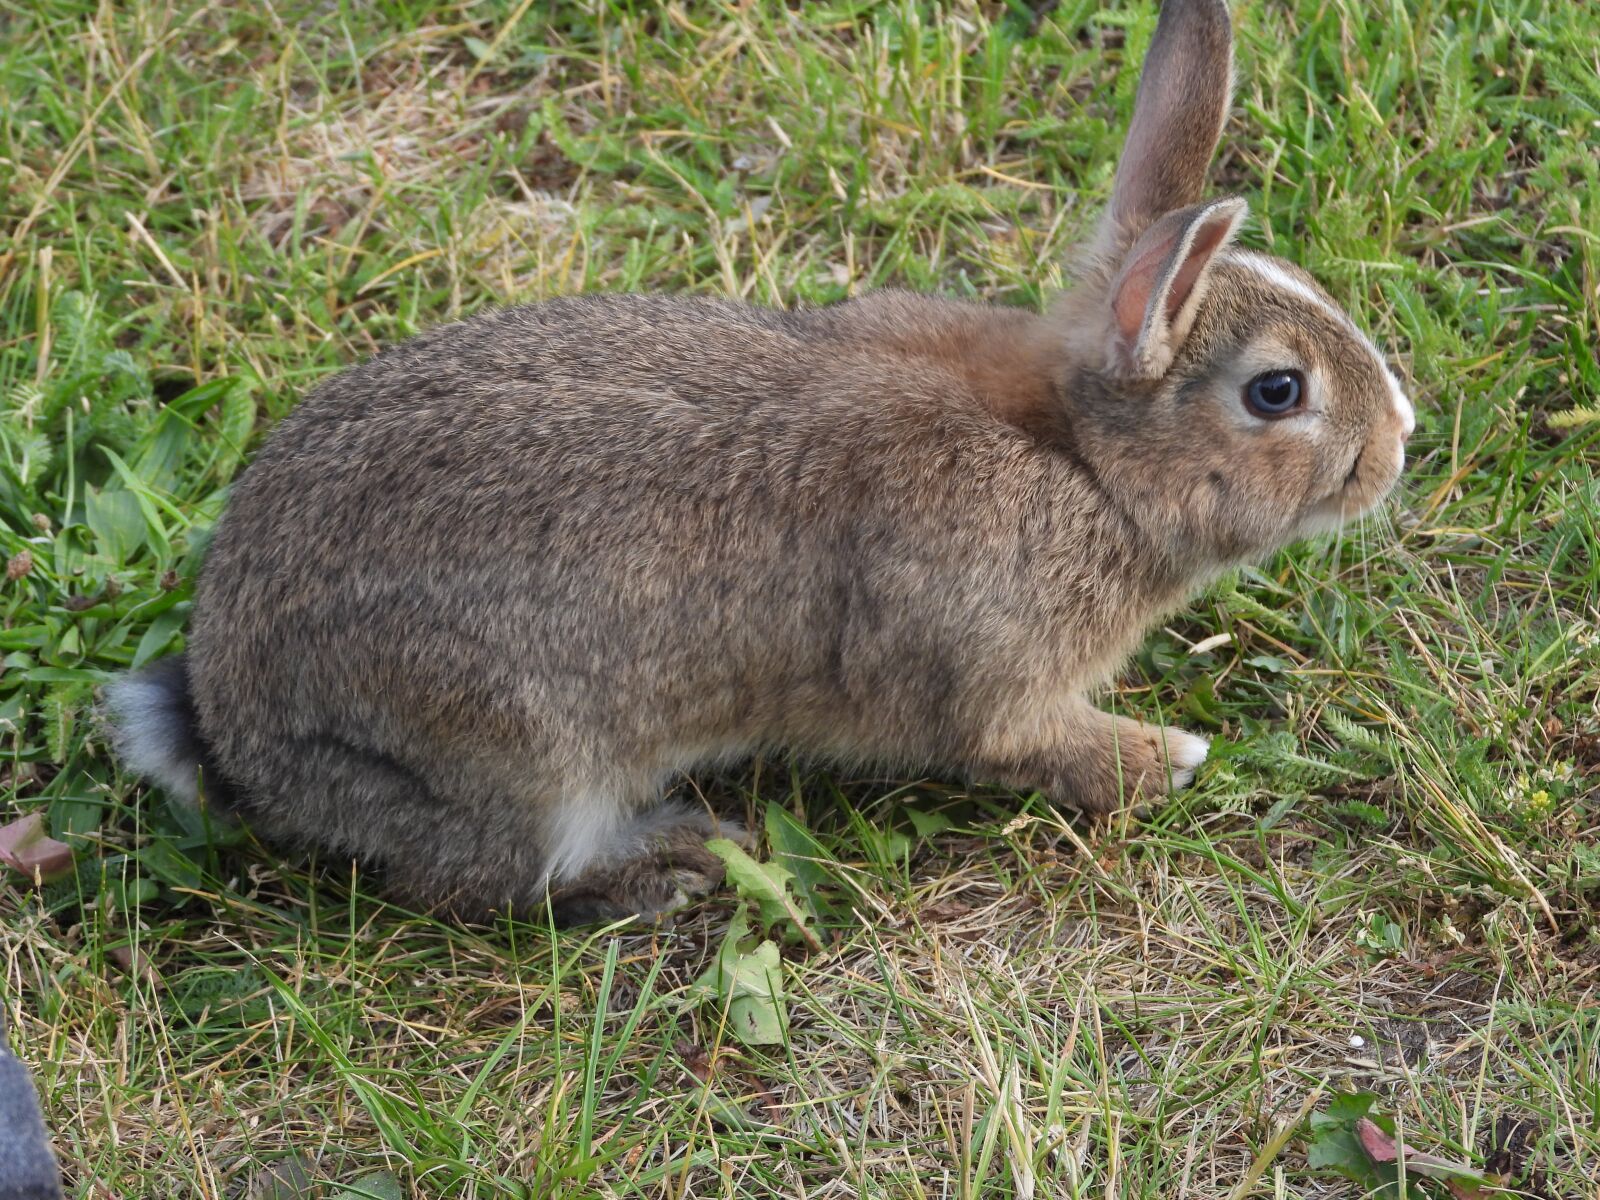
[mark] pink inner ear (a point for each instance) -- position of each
(1206, 240)
(1142, 276)
(1133, 292)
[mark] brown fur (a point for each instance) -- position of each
(480, 600)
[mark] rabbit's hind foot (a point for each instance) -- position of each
(661, 863)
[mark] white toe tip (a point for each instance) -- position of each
(1185, 753)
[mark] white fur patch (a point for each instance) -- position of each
(594, 827)
(151, 737)
(582, 830)
(1274, 274)
(1402, 405)
(1185, 752)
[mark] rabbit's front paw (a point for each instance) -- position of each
(1108, 763)
(1184, 753)
(1147, 761)
(1101, 763)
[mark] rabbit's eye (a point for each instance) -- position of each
(1274, 394)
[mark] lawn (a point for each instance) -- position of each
(1385, 881)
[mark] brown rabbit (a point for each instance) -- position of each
(480, 601)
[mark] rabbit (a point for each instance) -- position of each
(480, 601)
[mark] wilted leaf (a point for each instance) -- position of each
(1363, 1148)
(747, 983)
(1465, 1183)
(766, 885)
(1378, 1145)
(24, 847)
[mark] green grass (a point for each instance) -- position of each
(207, 208)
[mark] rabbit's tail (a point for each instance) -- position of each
(155, 731)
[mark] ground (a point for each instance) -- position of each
(1384, 881)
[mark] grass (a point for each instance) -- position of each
(1386, 880)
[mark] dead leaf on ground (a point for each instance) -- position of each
(24, 847)
(1464, 1182)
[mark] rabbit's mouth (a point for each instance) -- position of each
(1353, 478)
(1355, 497)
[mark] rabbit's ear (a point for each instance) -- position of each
(1184, 92)
(1160, 284)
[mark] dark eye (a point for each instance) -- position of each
(1274, 394)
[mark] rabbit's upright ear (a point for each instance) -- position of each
(1159, 285)
(1184, 92)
